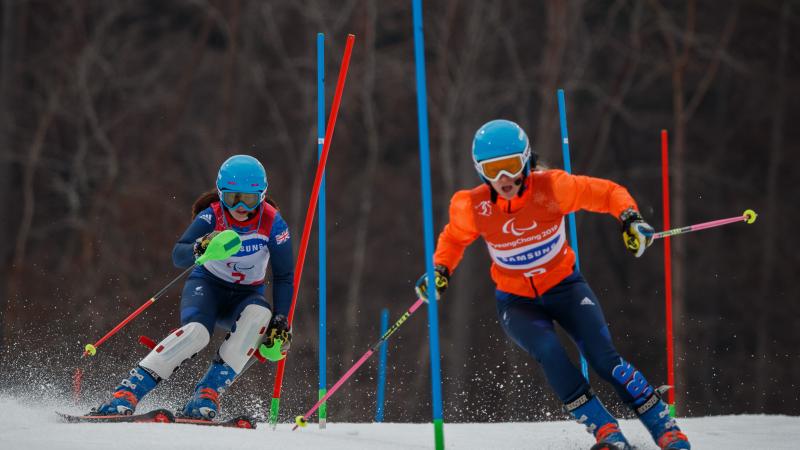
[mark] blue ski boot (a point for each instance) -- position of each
(204, 404)
(588, 411)
(128, 393)
(654, 414)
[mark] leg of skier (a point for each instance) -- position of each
(529, 325)
(170, 353)
(252, 316)
(573, 304)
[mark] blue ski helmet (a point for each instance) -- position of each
(501, 138)
(242, 173)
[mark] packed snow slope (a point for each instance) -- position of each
(36, 427)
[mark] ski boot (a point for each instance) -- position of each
(204, 404)
(588, 411)
(654, 414)
(128, 393)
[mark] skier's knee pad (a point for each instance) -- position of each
(246, 335)
(176, 348)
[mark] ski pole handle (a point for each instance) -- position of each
(749, 216)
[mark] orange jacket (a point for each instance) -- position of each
(526, 235)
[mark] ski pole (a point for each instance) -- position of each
(224, 245)
(749, 216)
(301, 421)
(312, 207)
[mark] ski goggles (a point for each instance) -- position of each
(511, 165)
(248, 200)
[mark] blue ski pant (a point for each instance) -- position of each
(215, 304)
(529, 322)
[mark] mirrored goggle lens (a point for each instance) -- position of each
(249, 199)
(494, 167)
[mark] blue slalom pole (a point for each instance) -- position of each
(323, 256)
(427, 212)
(573, 232)
(381, 395)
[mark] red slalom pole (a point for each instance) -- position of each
(76, 385)
(667, 272)
(312, 207)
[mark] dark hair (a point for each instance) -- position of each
(207, 198)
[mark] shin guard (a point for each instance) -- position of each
(176, 348)
(247, 333)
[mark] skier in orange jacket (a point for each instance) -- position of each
(519, 213)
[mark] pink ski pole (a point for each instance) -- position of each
(749, 216)
(300, 421)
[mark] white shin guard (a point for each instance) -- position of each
(176, 348)
(240, 344)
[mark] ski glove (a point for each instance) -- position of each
(201, 244)
(441, 280)
(279, 329)
(636, 233)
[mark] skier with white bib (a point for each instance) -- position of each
(519, 212)
(228, 293)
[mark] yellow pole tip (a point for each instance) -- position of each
(90, 349)
(750, 216)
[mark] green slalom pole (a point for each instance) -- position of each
(323, 408)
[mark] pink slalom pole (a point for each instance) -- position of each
(300, 421)
(749, 216)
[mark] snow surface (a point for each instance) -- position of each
(27, 426)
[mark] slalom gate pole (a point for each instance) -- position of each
(312, 206)
(300, 421)
(221, 247)
(668, 273)
(77, 376)
(573, 231)
(322, 232)
(381, 394)
(749, 216)
(427, 213)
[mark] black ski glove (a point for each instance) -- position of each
(636, 233)
(201, 244)
(441, 280)
(279, 329)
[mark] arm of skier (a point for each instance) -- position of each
(574, 192)
(454, 239)
(458, 234)
(183, 251)
(282, 262)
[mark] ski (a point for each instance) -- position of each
(154, 416)
(246, 422)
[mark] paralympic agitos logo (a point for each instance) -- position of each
(510, 228)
